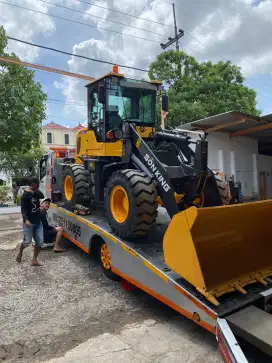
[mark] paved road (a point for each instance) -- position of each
(67, 311)
(10, 210)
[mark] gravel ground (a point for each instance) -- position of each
(68, 311)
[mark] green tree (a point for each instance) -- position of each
(197, 90)
(4, 193)
(22, 105)
(21, 165)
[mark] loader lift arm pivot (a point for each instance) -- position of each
(136, 148)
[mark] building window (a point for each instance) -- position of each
(66, 139)
(49, 138)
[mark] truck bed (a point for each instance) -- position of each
(151, 248)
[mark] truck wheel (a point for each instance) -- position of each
(215, 191)
(75, 185)
(105, 261)
(131, 203)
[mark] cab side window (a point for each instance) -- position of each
(43, 167)
(95, 117)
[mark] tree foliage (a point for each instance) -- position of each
(197, 90)
(4, 193)
(22, 105)
(21, 165)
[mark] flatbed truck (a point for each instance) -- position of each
(141, 263)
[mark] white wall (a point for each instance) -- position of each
(233, 157)
(6, 179)
(58, 137)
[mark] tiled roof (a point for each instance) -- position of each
(53, 125)
(78, 127)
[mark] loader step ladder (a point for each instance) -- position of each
(253, 325)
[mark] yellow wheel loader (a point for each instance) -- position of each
(126, 167)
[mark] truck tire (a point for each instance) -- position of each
(75, 185)
(215, 191)
(105, 262)
(130, 203)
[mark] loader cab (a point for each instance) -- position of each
(114, 99)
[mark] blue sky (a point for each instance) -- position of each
(239, 30)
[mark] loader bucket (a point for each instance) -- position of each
(219, 249)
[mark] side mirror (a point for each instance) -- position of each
(165, 103)
(101, 94)
(118, 134)
(114, 134)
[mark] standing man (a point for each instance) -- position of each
(51, 234)
(32, 227)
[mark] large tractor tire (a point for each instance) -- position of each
(131, 203)
(216, 191)
(75, 185)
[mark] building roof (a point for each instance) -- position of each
(78, 127)
(236, 124)
(53, 125)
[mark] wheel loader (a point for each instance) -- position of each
(123, 164)
(128, 168)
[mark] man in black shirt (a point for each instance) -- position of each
(32, 225)
(51, 234)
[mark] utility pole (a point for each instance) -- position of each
(175, 24)
(178, 34)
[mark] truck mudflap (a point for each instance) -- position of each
(228, 346)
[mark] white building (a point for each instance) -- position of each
(54, 135)
(240, 146)
(4, 179)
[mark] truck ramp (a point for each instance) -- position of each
(253, 325)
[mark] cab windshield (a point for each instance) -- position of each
(131, 100)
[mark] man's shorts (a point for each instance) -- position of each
(35, 231)
(50, 236)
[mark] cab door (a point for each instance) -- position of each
(45, 180)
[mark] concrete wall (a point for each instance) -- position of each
(238, 157)
(58, 137)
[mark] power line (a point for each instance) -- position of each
(222, 57)
(168, 2)
(78, 22)
(64, 118)
(77, 103)
(255, 85)
(71, 54)
(47, 69)
(120, 12)
(74, 55)
(60, 102)
(100, 17)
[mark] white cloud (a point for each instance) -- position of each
(25, 25)
(234, 30)
(237, 30)
(95, 14)
(28, 25)
(207, 37)
(117, 48)
(74, 91)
